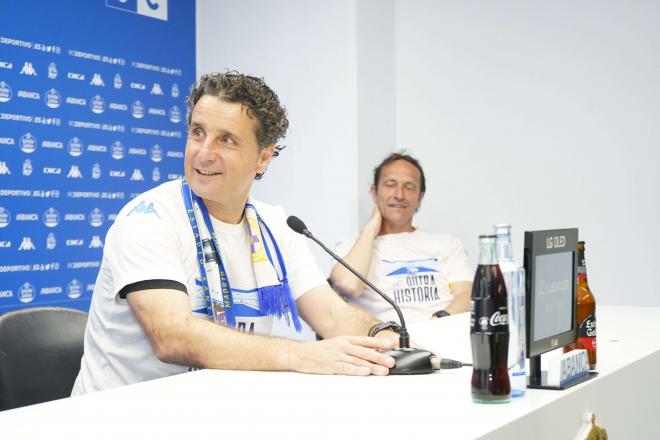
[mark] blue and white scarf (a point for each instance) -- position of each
(275, 297)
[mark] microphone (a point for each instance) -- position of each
(408, 360)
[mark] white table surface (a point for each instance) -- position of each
(218, 404)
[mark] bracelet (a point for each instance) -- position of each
(441, 313)
(380, 326)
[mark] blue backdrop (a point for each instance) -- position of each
(92, 113)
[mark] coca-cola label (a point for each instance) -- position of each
(587, 333)
(489, 315)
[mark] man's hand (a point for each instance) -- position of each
(359, 257)
(389, 335)
(372, 227)
(349, 355)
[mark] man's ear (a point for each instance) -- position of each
(264, 157)
(373, 193)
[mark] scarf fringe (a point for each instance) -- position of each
(278, 301)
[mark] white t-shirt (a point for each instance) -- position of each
(151, 243)
(416, 270)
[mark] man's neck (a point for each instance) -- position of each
(231, 212)
(387, 228)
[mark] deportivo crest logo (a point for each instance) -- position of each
(51, 242)
(96, 171)
(27, 167)
(52, 71)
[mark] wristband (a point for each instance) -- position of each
(379, 327)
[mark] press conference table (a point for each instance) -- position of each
(242, 405)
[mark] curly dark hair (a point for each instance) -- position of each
(260, 100)
(401, 156)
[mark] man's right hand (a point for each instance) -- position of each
(349, 355)
(372, 227)
(359, 257)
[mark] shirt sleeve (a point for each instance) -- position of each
(458, 264)
(142, 245)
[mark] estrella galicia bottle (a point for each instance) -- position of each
(489, 328)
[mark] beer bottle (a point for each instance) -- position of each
(489, 328)
(586, 312)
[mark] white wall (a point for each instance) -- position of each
(376, 79)
(542, 114)
(306, 52)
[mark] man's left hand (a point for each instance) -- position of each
(389, 335)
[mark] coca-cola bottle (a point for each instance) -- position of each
(489, 328)
(586, 312)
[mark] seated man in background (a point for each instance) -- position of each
(194, 271)
(426, 274)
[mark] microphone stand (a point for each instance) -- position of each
(408, 360)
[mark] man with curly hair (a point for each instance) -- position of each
(194, 271)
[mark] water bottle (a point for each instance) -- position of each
(514, 278)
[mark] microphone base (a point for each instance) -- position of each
(410, 361)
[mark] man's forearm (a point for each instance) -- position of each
(461, 302)
(228, 349)
(350, 320)
(359, 258)
(200, 343)
(178, 337)
(358, 322)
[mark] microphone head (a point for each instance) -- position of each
(297, 225)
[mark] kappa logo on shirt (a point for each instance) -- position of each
(144, 208)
